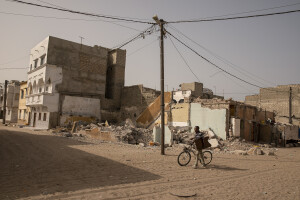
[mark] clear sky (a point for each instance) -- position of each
(265, 50)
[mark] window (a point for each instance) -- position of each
(43, 59)
(46, 90)
(40, 90)
(30, 67)
(20, 113)
(22, 94)
(35, 63)
(45, 117)
(40, 116)
(8, 112)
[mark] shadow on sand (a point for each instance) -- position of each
(40, 164)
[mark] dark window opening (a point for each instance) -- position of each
(40, 116)
(45, 117)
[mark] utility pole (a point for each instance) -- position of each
(4, 102)
(290, 106)
(161, 23)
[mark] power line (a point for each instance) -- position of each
(135, 51)
(55, 5)
(13, 68)
(227, 62)
(212, 62)
(65, 18)
(81, 13)
(251, 11)
(231, 18)
(147, 31)
(184, 60)
(15, 60)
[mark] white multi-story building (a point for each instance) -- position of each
(67, 80)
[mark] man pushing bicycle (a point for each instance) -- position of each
(198, 139)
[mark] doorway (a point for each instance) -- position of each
(34, 119)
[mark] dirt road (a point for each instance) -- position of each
(37, 165)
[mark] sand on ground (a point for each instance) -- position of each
(39, 165)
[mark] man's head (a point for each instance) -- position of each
(196, 128)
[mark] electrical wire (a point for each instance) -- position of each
(135, 51)
(12, 68)
(251, 11)
(65, 18)
(147, 31)
(82, 13)
(184, 60)
(212, 62)
(92, 13)
(227, 62)
(12, 61)
(232, 18)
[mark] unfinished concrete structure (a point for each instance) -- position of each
(277, 100)
(135, 99)
(12, 101)
(68, 82)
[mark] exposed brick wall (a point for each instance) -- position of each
(277, 100)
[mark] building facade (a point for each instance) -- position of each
(24, 111)
(12, 101)
(68, 82)
(276, 100)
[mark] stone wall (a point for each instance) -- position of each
(277, 100)
(73, 106)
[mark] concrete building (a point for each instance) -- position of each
(12, 101)
(68, 82)
(277, 100)
(24, 111)
(193, 90)
(135, 99)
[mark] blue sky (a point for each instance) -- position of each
(265, 51)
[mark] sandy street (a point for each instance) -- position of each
(38, 165)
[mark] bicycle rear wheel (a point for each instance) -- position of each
(207, 155)
(184, 158)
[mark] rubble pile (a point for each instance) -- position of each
(126, 132)
(241, 147)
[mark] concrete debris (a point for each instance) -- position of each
(238, 146)
(126, 133)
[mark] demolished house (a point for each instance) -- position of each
(225, 118)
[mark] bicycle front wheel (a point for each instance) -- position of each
(184, 158)
(207, 155)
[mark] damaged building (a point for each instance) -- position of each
(277, 100)
(135, 99)
(69, 82)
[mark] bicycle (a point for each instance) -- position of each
(184, 157)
